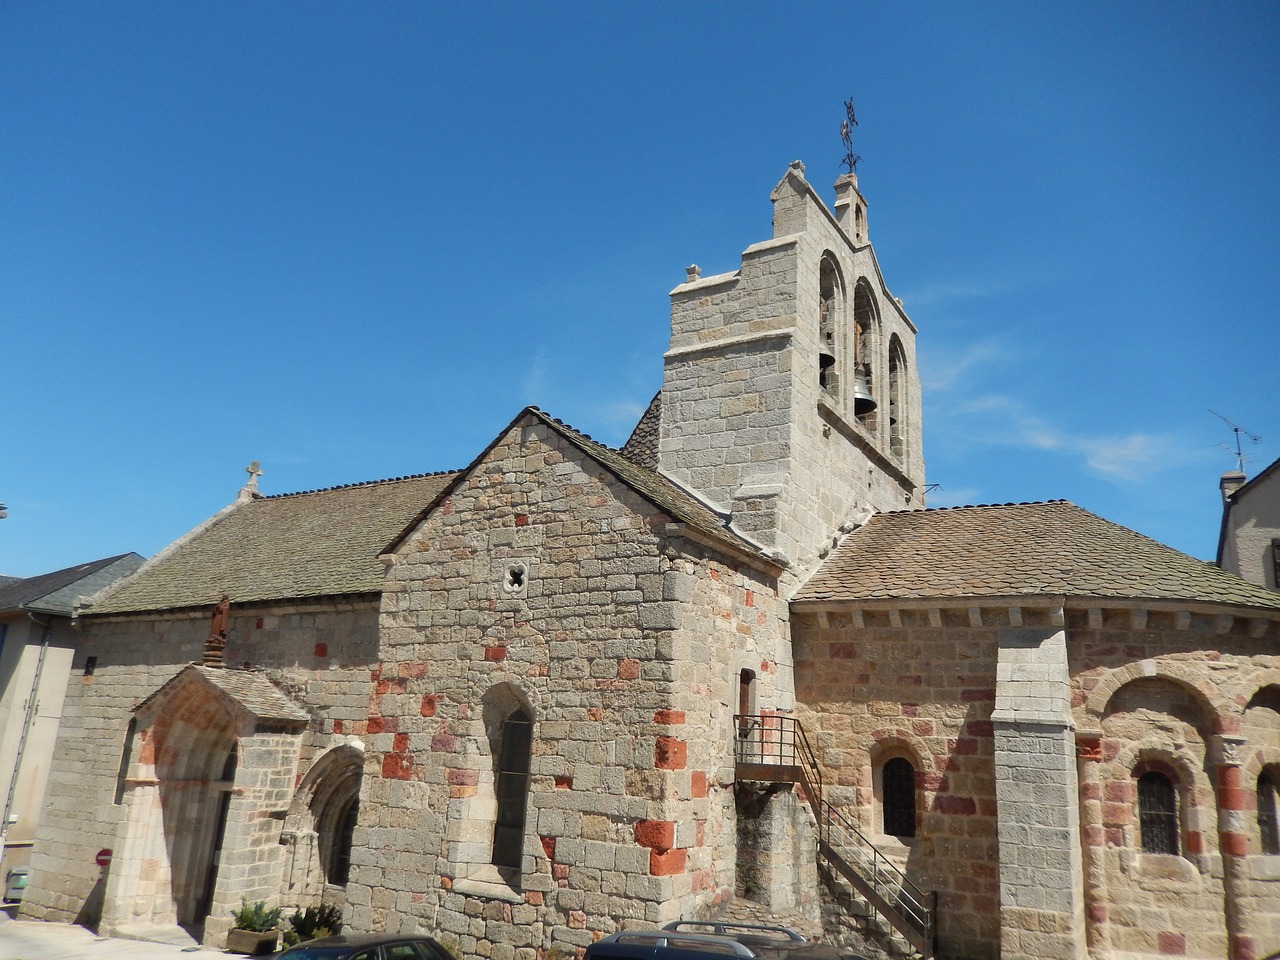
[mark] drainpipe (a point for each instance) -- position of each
(33, 705)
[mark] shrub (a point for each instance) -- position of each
(256, 917)
(315, 922)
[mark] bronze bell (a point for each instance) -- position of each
(863, 401)
(825, 362)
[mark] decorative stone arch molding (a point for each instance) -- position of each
(898, 744)
(316, 829)
(1257, 682)
(889, 742)
(1221, 713)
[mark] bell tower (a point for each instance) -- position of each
(790, 397)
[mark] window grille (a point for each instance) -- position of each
(1157, 813)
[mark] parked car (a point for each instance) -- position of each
(765, 941)
(367, 946)
(700, 940)
(665, 945)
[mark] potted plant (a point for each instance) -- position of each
(254, 929)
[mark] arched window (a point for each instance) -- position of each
(830, 295)
(1268, 811)
(512, 789)
(897, 397)
(898, 797)
(866, 336)
(1158, 813)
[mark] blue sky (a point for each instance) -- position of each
(351, 241)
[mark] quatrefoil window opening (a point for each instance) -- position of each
(516, 578)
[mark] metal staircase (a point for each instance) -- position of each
(774, 749)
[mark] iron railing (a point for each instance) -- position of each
(774, 747)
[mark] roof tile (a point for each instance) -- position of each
(1017, 549)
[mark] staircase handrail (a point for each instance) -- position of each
(780, 740)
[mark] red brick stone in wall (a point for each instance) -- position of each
(656, 834)
(667, 864)
(670, 753)
(397, 766)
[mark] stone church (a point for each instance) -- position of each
(569, 688)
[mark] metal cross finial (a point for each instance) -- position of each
(851, 159)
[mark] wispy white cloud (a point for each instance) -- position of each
(536, 384)
(942, 292)
(993, 421)
(942, 369)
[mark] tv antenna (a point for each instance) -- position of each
(1240, 457)
(850, 161)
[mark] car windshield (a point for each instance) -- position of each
(317, 953)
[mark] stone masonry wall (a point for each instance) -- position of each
(920, 685)
(1168, 691)
(616, 645)
(322, 656)
(744, 419)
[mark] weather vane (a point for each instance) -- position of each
(1240, 457)
(850, 161)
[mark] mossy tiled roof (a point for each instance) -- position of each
(1017, 549)
(252, 691)
(321, 543)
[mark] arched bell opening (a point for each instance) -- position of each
(830, 320)
(866, 336)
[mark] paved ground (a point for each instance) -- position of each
(31, 940)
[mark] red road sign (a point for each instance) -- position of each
(103, 857)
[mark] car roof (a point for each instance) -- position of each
(671, 940)
(356, 940)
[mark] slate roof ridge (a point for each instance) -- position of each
(18, 593)
(358, 483)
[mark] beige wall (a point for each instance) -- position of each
(1252, 522)
(24, 658)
